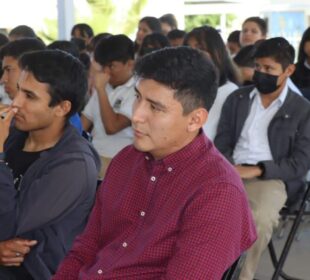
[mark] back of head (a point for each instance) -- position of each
(114, 48)
(66, 46)
(153, 23)
(83, 29)
(301, 52)
(64, 74)
(153, 42)
(245, 57)
(234, 37)
(95, 40)
(278, 49)
(188, 71)
(18, 47)
(211, 42)
(170, 20)
(3, 39)
(176, 34)
(21, 31)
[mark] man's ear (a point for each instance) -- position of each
(290, 70)
(63, 108)
(197, 119)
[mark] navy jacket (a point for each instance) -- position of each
(288, 135)
(53, 202)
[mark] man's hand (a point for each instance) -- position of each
(6, 116)
(248, 172)
(100, 76)
(13, 251)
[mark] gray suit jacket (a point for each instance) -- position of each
(288, 135)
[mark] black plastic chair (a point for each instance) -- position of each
(297, 216)
(234, 271)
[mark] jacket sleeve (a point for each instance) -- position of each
(85, 246)
(225, 129)
(297, 161)
(46, 199)
(215, 229)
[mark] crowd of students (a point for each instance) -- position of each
(198, 143)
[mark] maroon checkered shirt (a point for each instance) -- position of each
(183, 217)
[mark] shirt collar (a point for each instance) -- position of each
(280, 99)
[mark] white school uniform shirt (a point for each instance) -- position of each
(253, 145)
(121, 99)
(210, 127)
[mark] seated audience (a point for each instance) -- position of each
(108, 112)
(47, 170)
(264, 131)
(208, 39)
(170, 207)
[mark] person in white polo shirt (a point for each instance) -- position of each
(108, 112)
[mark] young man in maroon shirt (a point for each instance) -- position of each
(170, 207)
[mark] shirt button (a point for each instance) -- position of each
(153, 178)
(147, 158)
(124, 244)
(99, 271)
(142, 213)
(169, 169)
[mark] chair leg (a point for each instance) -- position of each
(280, 263)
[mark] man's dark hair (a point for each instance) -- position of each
(3, 39)
(187, 71)
(262, 24)
(170, 20)
(85, 30)
(114, 48)
(277, 48)
(64, 45)
(176, 34)
(22, 31)
(64, 74)
(18, 47)
(245, 57)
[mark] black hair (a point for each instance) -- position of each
(245, 57)
(301, 53)
(187, 71)
(153, 23)
(277, 48)
(170, 20)
(18, 47)
(234, 36)
(114, 48)
(66, 46)
(85, 30)
(3, 39)
(155, 40)
(176, 34)
(262, 24)
(94, 41)
(64, 74)
(79, 43)
(211, 42)
(22, 31)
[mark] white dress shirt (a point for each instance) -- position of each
(253, 145)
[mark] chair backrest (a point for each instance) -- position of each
(233, 272)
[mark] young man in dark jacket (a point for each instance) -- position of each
(47, 170)
(264, 130)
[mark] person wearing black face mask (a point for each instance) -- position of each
(264, 131)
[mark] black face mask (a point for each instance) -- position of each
(265, 83)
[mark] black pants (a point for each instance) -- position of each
(14, 273)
